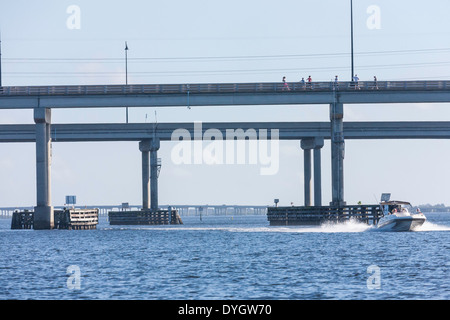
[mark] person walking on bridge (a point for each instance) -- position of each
(356, 82)
(310, 82)
(303, 82)
(285, 85)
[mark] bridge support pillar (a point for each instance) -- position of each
(307, 145)
(43, 212)
(307, 171)
(318, 145)
(144, 147)
(154, 172)
(337, 154)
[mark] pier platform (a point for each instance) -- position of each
(22, 220)
(304, 216)
(67, 219)
(144, 217)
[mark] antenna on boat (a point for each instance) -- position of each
(376, 200)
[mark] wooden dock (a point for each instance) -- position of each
(144, 217)
(298, 216)
(73, 219)
(68, 219)
(22, 220)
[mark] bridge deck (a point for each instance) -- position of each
(223, 94)
(287, 131)
(223, 87)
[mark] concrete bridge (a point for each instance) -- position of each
(101, 132)
(312, 135)
(223, 94)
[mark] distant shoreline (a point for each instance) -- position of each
(432, 208)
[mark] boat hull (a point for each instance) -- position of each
(395, 223)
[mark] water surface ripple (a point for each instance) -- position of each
(226, 257)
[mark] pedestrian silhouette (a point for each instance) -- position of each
(285, 85)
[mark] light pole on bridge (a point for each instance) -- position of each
(351, 21)
(126, 72)
(0, 59)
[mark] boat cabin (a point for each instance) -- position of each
(391, 207)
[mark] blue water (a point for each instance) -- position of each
(238, 257)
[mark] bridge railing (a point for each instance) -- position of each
(222, 88)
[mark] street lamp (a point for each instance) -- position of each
(351, 20)
(0, 59)
(126, 70)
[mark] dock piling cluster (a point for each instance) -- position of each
(298, 216)
(68, 219)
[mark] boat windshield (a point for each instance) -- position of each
(396, 207)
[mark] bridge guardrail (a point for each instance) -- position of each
(222, 88)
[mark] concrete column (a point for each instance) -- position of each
(306, 145)
(154, 147)
(43, 212)
(337, 154)
(144, 147)
(318, 145)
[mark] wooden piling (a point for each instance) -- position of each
(144, 217)
(68, 219)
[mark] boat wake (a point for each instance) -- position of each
(429, 226)
(353, 227)
(350, 226)
(331, 227)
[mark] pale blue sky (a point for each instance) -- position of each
(211, 41)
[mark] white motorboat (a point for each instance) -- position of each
(398, 216)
